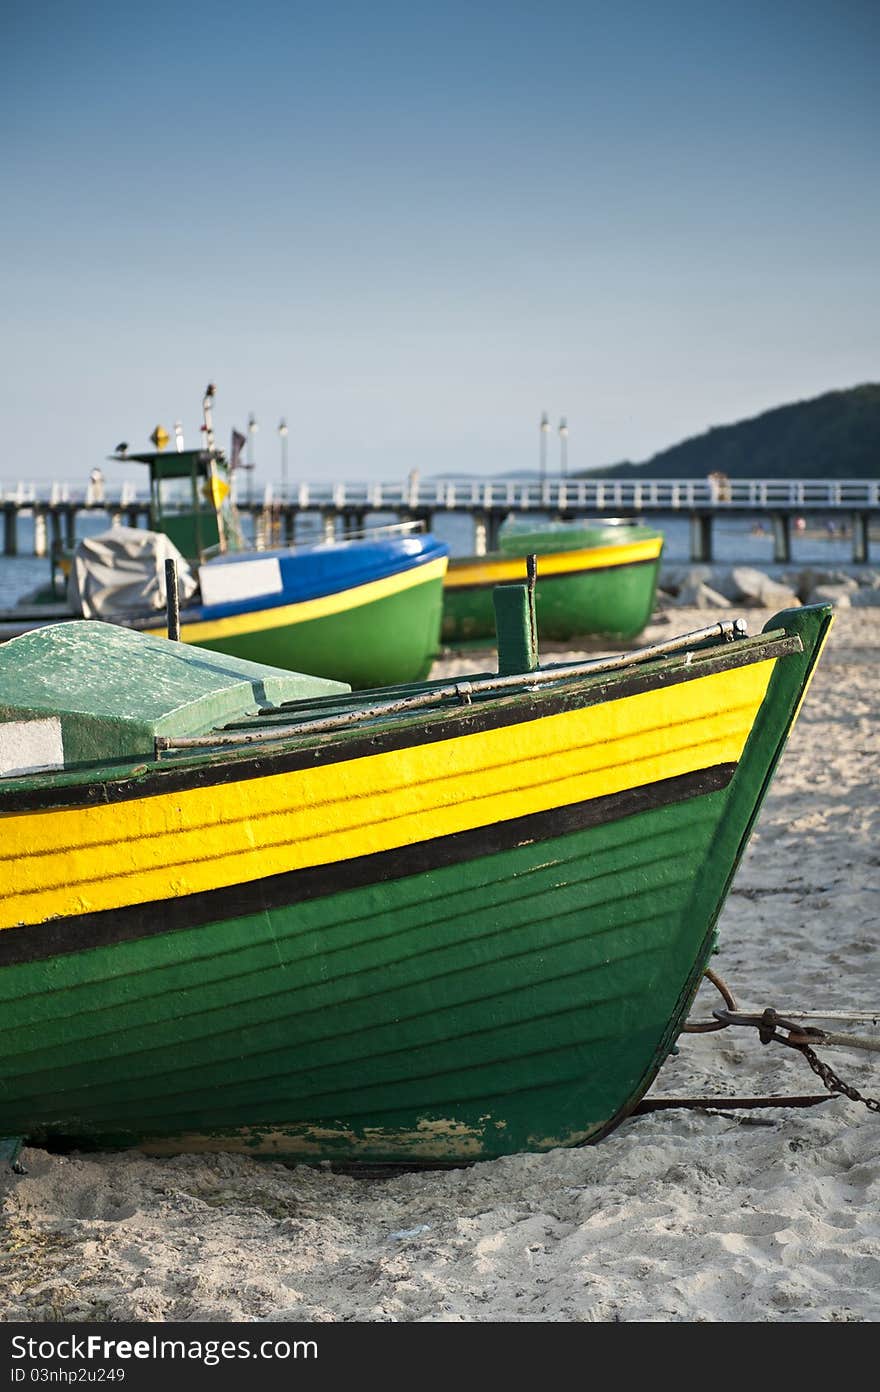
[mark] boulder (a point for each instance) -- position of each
(676, 578)
(701, 596)
(809, 578)
(758, 589)
(866, 598)
(723, 583)
(663, 600)
(838, 595)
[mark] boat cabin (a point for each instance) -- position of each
(188, 490)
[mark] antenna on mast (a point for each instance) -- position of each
(217, 489)
(208, 414)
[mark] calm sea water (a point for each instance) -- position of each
(734, 544)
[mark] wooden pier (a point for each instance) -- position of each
(854, 503)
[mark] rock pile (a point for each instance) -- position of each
(715, 587)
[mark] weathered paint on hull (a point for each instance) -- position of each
(391, 1021)
(606, 590)
(483, 990)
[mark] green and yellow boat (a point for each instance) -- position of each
(364, 610)
(248, 910)
(594, 579)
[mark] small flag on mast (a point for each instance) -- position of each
(238, 443)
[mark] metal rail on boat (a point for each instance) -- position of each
(728, 629)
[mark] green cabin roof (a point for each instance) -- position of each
(114, 690)
(175, 463)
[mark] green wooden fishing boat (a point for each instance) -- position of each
(244, 909)
(363, 610)
(593, 579)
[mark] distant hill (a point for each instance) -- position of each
(832, 436)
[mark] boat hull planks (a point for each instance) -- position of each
(430, 942)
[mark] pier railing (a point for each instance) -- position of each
(467, 494)
(562, 495)
(488, 501)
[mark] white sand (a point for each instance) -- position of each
(764, 1216)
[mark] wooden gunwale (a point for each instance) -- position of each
(508, 575)
(194, 769)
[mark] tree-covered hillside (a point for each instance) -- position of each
(832, 436)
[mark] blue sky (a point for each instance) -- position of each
(411, 228)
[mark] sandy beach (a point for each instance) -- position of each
(770, 1215)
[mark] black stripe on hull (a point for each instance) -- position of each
(544, 580)
(35, 942)
(208, 768)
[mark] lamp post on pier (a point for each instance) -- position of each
(252, 429)
(282, 431)
(542, 445)
(563, 447)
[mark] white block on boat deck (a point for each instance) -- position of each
(225, 582)
(29, 745)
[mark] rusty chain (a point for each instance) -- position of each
(831, 1080)
(770, 1023)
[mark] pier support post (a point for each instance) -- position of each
(55, 520)
(10, 529)
(288, 517)
(481, 529)
(493, 527)
(861, 542)
(70, 528)
(328, 526)
(40, 546)
(781, 538)
(701, 536)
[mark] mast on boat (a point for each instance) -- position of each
(215, 483)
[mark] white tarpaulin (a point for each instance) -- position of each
(121, 573)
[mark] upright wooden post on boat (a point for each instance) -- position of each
(531, 581)
(172, 599)
(515, 625)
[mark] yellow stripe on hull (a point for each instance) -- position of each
(494, 571)
(284, 615)
(74, 861)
